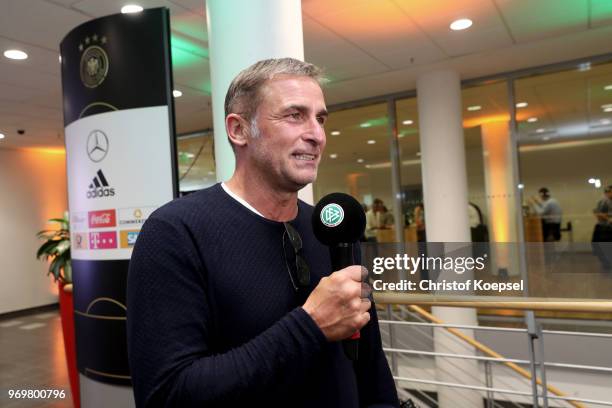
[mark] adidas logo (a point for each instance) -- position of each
(99, 187)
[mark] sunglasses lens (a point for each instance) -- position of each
(294, 237)
(303, 272)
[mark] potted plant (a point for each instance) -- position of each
(56, 249)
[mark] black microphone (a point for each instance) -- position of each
(338, 221)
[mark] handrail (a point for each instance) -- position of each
(496, 302)
(495, 328)
(495, 360)
(486, 350)
(456, 326)
(500, 390)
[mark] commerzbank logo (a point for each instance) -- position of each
(332, 215)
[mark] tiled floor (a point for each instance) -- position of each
(32, 357)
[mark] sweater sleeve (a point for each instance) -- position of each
(374, 379)
(169, 331)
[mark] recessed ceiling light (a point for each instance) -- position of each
(15, 54)
(608, 87)
(176, 93)
(608, 109)
(1, 135)
(333, 156)
(540, 130)
(605, 121)
(335, 132)
(591, 180)
(371, 141)
(532, 120)
(407, 122)
(522, 105)
(474, 108)
(461, 24)
(359, 160)
(545, 138)
(131, 8)
(521, 186)
(365, 124)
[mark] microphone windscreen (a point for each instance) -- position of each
(338, 218)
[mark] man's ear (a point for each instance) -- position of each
(237, 130)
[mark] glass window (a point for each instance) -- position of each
(356, 159)
(196, 165)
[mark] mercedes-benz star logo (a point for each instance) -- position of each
(97, 145)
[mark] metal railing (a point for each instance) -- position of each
(541, 392)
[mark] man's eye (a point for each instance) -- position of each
(295, 115)
(321, 120)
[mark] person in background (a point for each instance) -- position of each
(374, 220)
(386, 218)
(549, 210)
(603, 230)
(419, 222)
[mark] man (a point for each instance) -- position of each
(377, 218)
(549, 210)
(222, 311)
(603, 231)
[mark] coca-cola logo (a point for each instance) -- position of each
(102, 218)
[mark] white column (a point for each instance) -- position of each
(446, 218)
(240, 33)
(499, 184)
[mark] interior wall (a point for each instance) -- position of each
(32, 190)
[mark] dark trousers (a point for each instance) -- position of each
(551, 231)
(602, 246)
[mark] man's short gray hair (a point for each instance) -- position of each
(243, 95)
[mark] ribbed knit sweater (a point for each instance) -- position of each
(214, 321)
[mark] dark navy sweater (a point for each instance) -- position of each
(214, 321)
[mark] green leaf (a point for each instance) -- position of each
(62, 247)
(68, 271)
(46, 249)
(54, 268)
(58, 220)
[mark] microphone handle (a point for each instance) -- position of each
(341, 257)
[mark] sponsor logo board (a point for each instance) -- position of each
(99, 187)
(79, 240)
(103, 240)
(128, 238)
(102, 218)
(134, 217)
(78, 221)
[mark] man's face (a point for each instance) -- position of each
(291, 140)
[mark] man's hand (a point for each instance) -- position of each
(339, 304)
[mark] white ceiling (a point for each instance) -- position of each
(367, 47)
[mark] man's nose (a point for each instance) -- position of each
(315, 132)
